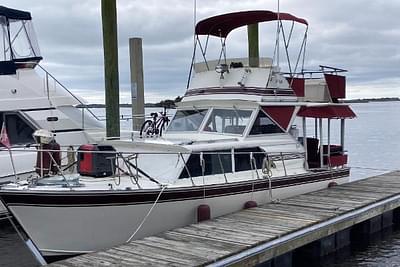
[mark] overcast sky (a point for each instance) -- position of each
(362, 36)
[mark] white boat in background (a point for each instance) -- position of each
(231, 143)
(32, 99)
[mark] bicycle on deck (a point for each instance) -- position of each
(155, 125)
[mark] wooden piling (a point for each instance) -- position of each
(110, 44)
(252, 36)
(137, 82)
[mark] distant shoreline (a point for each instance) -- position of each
(167, 103)
(160, 105)
(368, 100)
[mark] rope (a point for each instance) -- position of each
(147, 215)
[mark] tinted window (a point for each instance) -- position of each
(264, 125)
(228, 121)
(242, 158)
(187, 120)
(18, 130)
(216, 163)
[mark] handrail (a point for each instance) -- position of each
(272, 154)
(125, 157)
(323, 69)
(67, 90)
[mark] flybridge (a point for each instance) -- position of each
(221, 26)
(18, 47)
(262, 79)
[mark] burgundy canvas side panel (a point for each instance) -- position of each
(280, 114)
(336, 85)
(297, 84)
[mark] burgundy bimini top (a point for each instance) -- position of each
(222, 25)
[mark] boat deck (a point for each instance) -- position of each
(256, 235)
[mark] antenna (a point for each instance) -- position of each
(194, 20)
(194, 42)
(277, 36)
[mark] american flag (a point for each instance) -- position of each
(4, 136)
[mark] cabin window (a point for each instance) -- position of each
(264, 125)
(243, 159)
(18, 130)
(231, 121)
(215, 162)
(187, 120)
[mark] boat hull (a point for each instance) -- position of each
(69, 223)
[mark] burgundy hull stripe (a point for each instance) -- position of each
(240, 90)
(101, 198)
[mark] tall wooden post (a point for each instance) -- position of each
(137, 83)
(252, 37)
(110, 44)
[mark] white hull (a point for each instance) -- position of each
(72, 230)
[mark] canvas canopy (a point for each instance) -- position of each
(14, 13)
(329, 112)
(222, 25)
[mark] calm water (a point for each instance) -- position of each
(373, 142)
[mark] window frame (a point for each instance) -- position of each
(21, 116)
(194, 109)
(259, 155)
(211, 153)
(259, 109)
(211, 110)
(257, 152)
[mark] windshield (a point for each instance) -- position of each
(231, 121)
(18, 39)
(187, 120)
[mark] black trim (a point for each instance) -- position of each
(37, 109)
(14, 13)
(142, 196)
(240, 90)
(67, 130)
(27, 59)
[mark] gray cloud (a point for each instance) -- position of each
(359, 35)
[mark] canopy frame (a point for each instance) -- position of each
(328, 112)
(220, 26)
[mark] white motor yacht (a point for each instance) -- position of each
(32, 99)
(231, 144)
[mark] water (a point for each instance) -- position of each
(373, 142)
(13, 251)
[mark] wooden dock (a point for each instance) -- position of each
(256, 235)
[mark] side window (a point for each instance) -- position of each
(264, 125)
(242, 158)
(193, 164)
(18, 130)
(215, 162)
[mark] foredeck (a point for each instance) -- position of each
(256, 235)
